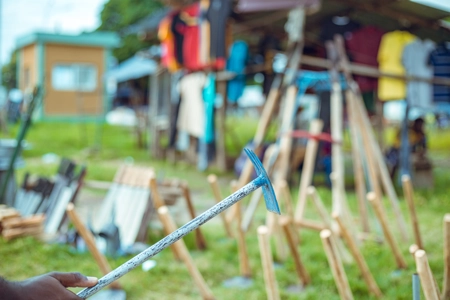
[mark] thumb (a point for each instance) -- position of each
(74, 279)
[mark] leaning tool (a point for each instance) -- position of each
(262, 181)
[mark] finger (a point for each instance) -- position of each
(74, 279)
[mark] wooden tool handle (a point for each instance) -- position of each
(409, 195)
(340, 277)
(206, 293)
(429, 286)
(212, 179)
(267, 262)
(90, 242)
(292, 239)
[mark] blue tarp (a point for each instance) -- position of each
(133, 68)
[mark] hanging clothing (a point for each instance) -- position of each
(191, 43)
(167, 39)
(415, 60)
(209, 98)
(191, 117)
(440, 60)
(362, 46)
(337, 25)
(178, 29)
(390, 60)
(236, 63)
(217, 14)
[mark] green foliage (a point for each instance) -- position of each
(118, 15)
(9, 73)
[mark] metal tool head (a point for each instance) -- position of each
(269, 194)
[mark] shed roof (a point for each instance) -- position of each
(99, 38)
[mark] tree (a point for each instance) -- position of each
(118, 15)
(9, 72)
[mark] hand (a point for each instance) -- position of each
(53, 286)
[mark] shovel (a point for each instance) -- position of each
(115, 291)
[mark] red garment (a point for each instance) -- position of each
(191, 43)
(362, 46)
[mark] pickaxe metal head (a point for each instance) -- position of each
(266, 185)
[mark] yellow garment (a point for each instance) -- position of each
(167, 42)
(390, 61)
(413, 136)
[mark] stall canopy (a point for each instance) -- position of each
(133, 68)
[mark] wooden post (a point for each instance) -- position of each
(199, 238)
(446, 285)
(310, 224)
(351, 243)
(267, 262)
(87, 236)
(308, 168)
(381, 215)
(244, 261)
(269, 107)
(381, 168)
(340, 278)
(292, 239)
(287, 197)
(325, 216)
(380, 164)
(212, 179)
(358, 170)
(206, 293)
(409, 195)
(430, 289)
(221, 158)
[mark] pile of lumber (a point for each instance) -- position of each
(13, 225)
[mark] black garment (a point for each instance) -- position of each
(330, 28)
(217, 15)
(178, 27)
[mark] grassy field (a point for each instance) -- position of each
(27, 257)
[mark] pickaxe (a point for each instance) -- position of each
(262, 181)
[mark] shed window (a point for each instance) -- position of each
(74, 77)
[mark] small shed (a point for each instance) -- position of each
(70, 69)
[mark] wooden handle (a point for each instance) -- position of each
(199, 238)
(212, 179)
(267, 263)
(357, 255)
(156, 197)
(340, 277)
(288, 203)
(429, 287)
(381, 215)
(292, 239)
(90, 243)
(357, 161)
(446, 285)
(409, 195)
(232, 213)
(308, 168)
(244, 262)
(206, 293)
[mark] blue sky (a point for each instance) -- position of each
(19, 17)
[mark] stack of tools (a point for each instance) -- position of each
(50, 197)
(13, 225)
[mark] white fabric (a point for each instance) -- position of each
(415, 61)
(191, 118)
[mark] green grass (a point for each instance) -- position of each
(25, 257)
